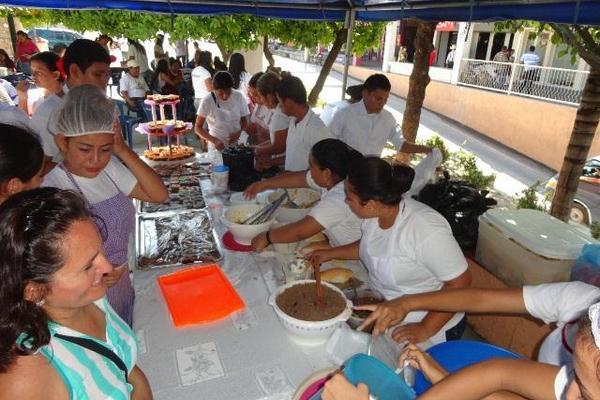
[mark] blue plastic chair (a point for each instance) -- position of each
(127, 122)
(458, 354)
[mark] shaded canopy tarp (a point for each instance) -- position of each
(574, 11)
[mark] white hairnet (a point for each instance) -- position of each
(85, 110)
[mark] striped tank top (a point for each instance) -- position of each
(87, 374)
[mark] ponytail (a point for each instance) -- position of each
(374, 179)
(335, 155)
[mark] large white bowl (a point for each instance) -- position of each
(301, 196)
(309, 333)
(243, 234)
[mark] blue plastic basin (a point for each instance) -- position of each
(457, 354)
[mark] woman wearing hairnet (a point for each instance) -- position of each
(89, 137)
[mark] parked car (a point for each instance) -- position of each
(586, 206)
(47, 38)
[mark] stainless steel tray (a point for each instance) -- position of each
(186, 198)
(172, 239)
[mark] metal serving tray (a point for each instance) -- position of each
(173, 239)
(186, 198)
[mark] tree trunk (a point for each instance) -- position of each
(419, 79)
(267, 52)
(584, 129)
(340, 39)
(224, 52)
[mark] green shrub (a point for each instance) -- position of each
(529, 198)
(437, 141)
(463, 166)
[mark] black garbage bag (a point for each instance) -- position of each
(240, 160)
(461, 204)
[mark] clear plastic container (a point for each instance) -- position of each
(220, 178)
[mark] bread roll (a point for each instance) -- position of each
(312, 247)
(337, 275)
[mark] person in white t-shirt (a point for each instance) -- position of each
(330, 160)
(502, 378)
(133, 88)
(554, 303)
(531, 73)
(202, 76)
(560, 303)
(272, 153)
(85, 62)
(367, 126)
(237, 69)
(181, 51)
(305, 129)
(137, 52)
(260, 117)
(406, 246)
(226, 112)
(330, 109)
(107, 174)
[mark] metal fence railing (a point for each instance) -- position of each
(554, 84)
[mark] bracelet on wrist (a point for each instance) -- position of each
(268, 236)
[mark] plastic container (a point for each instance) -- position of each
(528, 247)
(382, 381)
(302, 197)
(199, 295)
(309, 333)
(243, 234)
(346, 342)
(220, 178)
(457, 354)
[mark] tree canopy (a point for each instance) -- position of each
(229, 32)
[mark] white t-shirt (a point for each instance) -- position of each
(530, 59)
(341, 225)
(562, 381)
(223, 117)
(331, 109)
(417, 254)
(99, 188)
(367, 133)
(244, 80)
(181, 48)
(301, 137)
(559, 303)
(12, 115)
(135, 87)
(40, 120)
(138, 56)
(10, 89)
(199, 75)
(262, 115)
(278, 122)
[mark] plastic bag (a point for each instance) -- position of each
(461, 204)
(424, 171)
(587, 265)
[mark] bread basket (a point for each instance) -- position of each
(309, 333)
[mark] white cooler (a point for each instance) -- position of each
(528, 247)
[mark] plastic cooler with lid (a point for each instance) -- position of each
(528, 247)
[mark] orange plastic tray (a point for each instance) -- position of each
(199, 295)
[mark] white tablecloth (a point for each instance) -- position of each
(250, 357)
